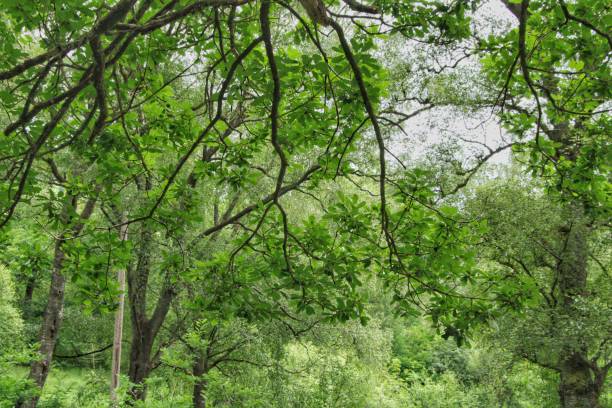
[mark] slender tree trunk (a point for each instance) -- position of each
(200, 368)
(199, 390)
(118, 332)
(138, 280)
(52, 319)
(140, 347)
(26, 303)
(29, 292)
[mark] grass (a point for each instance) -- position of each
(69, 386)
(62, 378)
(78, 387)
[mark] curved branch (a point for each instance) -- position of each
(584, 22)
(211, 124)
(362, 8)
(115, 15)
(85, 354)
(373, 118)
(276, 94)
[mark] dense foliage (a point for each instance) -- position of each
(225, 203)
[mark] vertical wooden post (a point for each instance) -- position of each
(118, 333)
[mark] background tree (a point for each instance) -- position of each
(250, 147)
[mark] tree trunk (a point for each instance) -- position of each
(199, 397)
(577, 388)
(140, 347)
(52, 320)
(118, 331)
(200, 368)
(26, 303)
(143, 339)
(39, 370)
(577, 385)
(140, 357)
(144, 330)
(29, 292)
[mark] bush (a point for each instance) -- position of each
(11, 322)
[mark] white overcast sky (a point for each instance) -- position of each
(441, 124)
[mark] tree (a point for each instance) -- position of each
(166, 111)
(526, 256)
(564, 111)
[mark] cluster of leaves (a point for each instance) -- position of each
(553, 73)
(154, 116)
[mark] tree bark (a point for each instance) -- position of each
(140, 357)
(143, 339)
(52, 319)
(140, 347)
(26, 303)
(581, 380)
(144, 330)
(577, 381)
(200, 368)
(29, 292)
(118, 331)
(577, 386)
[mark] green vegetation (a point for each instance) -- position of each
(235, 203)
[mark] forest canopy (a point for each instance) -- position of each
(309, 203)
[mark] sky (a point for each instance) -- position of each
(468, 129)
